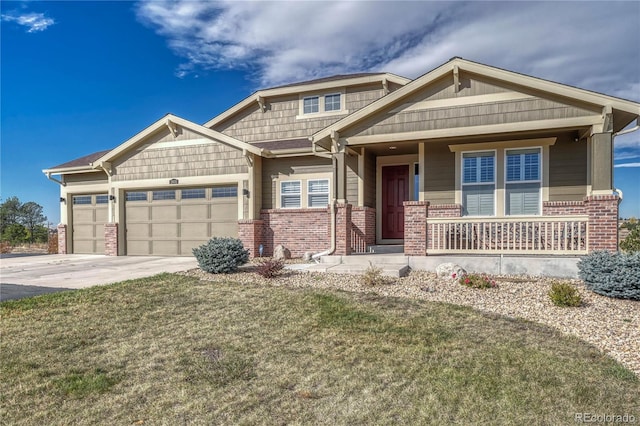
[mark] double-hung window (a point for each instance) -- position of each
(478, 183)
(290, 194)
(522, 181)
(332, 102)
(318, 192)
(311, 104)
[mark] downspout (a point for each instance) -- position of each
(108, 173)
(332, 247)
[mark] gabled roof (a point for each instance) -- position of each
(95, 160)
(308, 86)
(169, 120)
(82, 162)
(460, 64)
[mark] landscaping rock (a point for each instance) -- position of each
(281, 253)
(446, 270)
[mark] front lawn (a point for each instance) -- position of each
(175, 350)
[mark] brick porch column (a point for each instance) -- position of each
(250, 233)
(343, 229)
(62, 239)
(111, 239)
(415, 228)
(603, 221)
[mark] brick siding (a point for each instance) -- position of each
(299, 230)
(603, 221)
(363, 228)
(445, 210)
(415, 228)
(250, 232)
(563, 208)
(343, 229)
(111, 239)
(62, 239)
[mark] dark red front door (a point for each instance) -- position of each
(395, 190)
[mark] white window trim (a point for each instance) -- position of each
(493, 182)
(539, 180)
(328, 193)
(321, 104)
(280, 194)
(304, 196)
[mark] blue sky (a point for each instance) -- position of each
(80, 77)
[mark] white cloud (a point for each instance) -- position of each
(627, 165)
(279, 42)
(34, 22)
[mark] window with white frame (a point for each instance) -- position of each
(311, 104)
(290, 194)
(522, 181)
(332, 102)
(478, 183)
(317, 193)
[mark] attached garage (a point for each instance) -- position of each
(171, 222)
(89, 214)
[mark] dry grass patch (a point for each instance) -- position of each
(172, 349)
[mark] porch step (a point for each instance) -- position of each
(388, 270)
(386, 248)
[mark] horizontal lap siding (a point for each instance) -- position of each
(370, 180)
(352, 179)
(440, 175)
(567, 169)
(273, 168)
(279, 120)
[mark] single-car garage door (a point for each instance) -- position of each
(173, 222)
(88, 219)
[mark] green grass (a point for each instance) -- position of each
(172, 350)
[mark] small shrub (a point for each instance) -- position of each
(373, 277)
(611, 274)
(564, 294)
(5, 247)
(269, 268)
(477, 281)
(632, 242)
(221, 255)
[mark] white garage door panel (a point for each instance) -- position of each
(173, 227)
(87, 222)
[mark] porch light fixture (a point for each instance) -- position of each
(63, 200)
(112, 198)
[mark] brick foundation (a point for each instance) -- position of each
(563, 208)
(445, 210)
(363, 228)
(343, 229)
(299, 230)
(62, 239)
(111, 239)
(415, 228)
(603, 221)
(251, 232)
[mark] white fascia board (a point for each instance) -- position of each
(70, 170)
(303, 88)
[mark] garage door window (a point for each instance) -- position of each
(82, 199)
(164, 195)
(136, 196)
(193, 193)
(224, 191)
(102, 199)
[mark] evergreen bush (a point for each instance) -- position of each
(564, 294)
(221, 255)
(612, 274)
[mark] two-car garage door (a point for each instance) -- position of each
(173, 222)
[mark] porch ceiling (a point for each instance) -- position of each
(393, 148)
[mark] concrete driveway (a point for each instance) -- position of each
(25, 276)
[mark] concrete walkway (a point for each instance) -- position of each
(25, 276)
